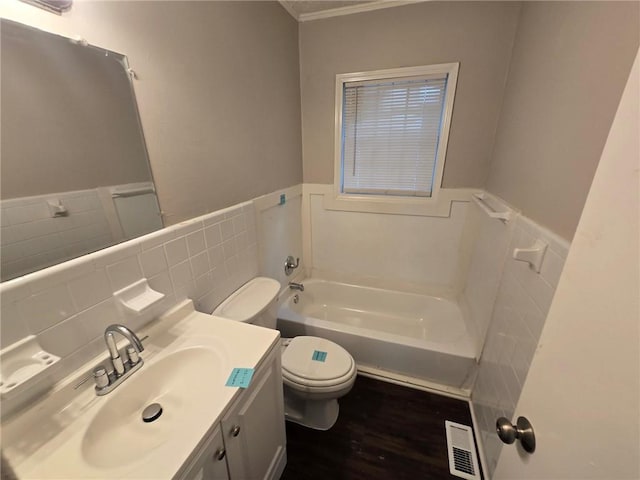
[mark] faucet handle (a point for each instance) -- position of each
(101, 377)
(132, 353)
(98, 374)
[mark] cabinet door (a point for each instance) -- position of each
(211, 462)
(253, 431)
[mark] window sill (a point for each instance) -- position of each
(437, 206)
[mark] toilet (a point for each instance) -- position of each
(315, 371)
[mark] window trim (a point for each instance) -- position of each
(372, 202)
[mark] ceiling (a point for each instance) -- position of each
(303, 10)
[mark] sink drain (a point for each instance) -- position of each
(151, 412)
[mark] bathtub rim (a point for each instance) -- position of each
(466, 347)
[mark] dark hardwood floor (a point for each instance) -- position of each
(384, 431)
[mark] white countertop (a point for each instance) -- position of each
(55, 438)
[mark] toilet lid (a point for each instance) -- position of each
(316, 359)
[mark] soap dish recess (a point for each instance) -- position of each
(138, 296)
(22, 363)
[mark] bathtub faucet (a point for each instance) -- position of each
(296, 286)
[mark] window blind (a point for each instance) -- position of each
(390, 135)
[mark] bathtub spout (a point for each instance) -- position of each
(296, 286)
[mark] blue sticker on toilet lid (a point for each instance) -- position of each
(319, 356)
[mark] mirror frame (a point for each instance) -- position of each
(124, 60)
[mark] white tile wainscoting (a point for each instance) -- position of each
(32, 238)
(517, 316)
(68, 306)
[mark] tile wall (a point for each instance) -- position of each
(32, 239)
(490, 249)
(519, 312)
(69, 305)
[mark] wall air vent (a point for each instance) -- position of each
(463, 461)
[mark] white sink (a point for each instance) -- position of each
(178, 382)
(74, 434)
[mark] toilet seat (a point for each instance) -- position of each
(316, 362)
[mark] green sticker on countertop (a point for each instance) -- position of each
(240, 377)
(319, 356)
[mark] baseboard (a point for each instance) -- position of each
(478, 438)
(412, 382)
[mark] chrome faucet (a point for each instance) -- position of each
(116, 359)
(290, 265)
(296, 286)
(106, 381)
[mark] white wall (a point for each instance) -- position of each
(280, 233)
(418, 253)
(517, 315)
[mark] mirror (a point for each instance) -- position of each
(75, 176)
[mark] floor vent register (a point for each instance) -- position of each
(463, 461)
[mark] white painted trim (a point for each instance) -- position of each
(307, 252)
(438, 207)
(478, 438)
(351, 9)
(290, 10)
(273, 199)
(412, 382)
(380, 203)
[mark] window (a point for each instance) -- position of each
(392, 129)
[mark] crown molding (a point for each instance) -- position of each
(349, 10)
(287, 6)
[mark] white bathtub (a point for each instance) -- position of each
(402, 333)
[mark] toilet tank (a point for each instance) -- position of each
(255, 302)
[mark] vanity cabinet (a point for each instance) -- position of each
(250, 440)
(210, 464)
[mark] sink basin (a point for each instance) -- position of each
(183, 382)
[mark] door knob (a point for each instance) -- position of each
(522, 431)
